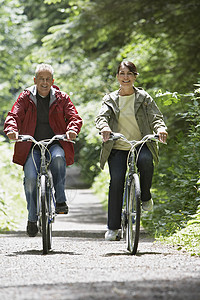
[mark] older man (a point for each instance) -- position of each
(42, 111)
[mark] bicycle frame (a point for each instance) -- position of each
(132, 169)
(44, 171)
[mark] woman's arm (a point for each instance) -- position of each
(102, 121)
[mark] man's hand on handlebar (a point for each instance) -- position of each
(71, 135)
(13, 135)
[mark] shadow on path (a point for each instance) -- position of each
(185, 289)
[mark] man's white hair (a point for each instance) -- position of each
(44, 67)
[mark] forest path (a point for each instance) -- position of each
(82, 265)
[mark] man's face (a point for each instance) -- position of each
(44, 81)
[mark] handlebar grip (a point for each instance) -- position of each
(60, 137)
(64, 138)
(113, 136)
(22, 138)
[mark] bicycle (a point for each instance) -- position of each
(45, 189)
(131, 210)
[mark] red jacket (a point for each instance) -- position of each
(63, 116)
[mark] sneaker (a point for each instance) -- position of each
(147, 205)
(32, 229)
(61, 208)
(112, 235)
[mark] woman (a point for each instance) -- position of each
(132, 112)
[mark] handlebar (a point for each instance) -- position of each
(29, 138)
(153, 137)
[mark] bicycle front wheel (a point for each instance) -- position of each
(134, 209)
(50, 218)
(45, 221)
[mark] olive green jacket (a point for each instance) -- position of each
(148, 116)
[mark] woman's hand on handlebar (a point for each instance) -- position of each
(13, 135)
(162, 136)
(105, 133)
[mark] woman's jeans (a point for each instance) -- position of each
(117, 162)
(58, 170)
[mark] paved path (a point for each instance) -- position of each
(82, 265)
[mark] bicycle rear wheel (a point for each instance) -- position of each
(45, 221)
(133, 209)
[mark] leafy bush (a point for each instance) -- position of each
(12, 203)
(188, 238)
(100, 186)
(176, 182)
(89, 143)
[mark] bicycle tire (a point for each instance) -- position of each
(44, 216)
(49, 236)
(49, 228)
(134, 210)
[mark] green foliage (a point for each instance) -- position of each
(188, 238)
(15, 37)
(152, 34)
(100, 186)
(176, 193)
(12, 204)
(89, 142)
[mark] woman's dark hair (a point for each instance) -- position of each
(132, 68)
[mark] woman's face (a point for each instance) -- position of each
(125, 77)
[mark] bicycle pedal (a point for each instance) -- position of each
(61, 213)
